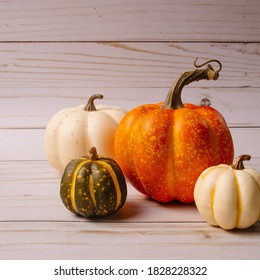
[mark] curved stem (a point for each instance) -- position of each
(93, 153)
(90, 105)
(238, 164)
(212, 60)
(173, 99)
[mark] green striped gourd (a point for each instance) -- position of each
(93, 186)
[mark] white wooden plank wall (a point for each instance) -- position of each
(55, 54)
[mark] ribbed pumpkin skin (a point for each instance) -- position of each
(162, 152)
(229, 196)
(93, 188)
(125, 143)
(72, 131)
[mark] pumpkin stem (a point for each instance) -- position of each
(238, 164)
(173, 99)
(90, 105)
(93, 153)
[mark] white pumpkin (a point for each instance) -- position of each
(229, 196)
(71, 132)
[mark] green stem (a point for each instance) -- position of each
(238, 164)
(90, 105)
(173, 99)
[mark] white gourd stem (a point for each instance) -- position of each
(238, 164)
(90, 105)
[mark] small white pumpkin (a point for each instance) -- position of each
(71, 132)
(229, 196)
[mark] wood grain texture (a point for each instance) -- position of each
(123, 65)
(33, 108)
(135, 20)
(82, 240)
(39, 79)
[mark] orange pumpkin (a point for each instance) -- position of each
(163, 148)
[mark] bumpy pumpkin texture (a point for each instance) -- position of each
(71, 132)
(163, 148)
(229, 195)
(93, 187)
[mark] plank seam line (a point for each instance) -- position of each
(103, 221)
(124, 41)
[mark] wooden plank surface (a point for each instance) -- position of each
(135, 20)
(123, 64)
(84, 240)
(39, 79)
(33, 108)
